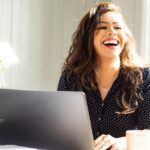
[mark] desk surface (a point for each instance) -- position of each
(15, 147)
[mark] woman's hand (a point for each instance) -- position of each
(105, 142)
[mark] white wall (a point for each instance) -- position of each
(40, 32)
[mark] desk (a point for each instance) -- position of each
(15, 147)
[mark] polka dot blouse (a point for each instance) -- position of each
(104, 120)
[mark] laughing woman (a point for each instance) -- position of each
(102, 63)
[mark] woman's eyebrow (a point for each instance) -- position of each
(104, 22)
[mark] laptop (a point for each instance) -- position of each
(45, 120)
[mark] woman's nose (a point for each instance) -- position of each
(111, 32)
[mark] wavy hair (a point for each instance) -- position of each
(81, 60)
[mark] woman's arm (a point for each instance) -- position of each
(143, 110)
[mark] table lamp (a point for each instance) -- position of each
(7, 58)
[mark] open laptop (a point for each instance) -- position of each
(45, 120)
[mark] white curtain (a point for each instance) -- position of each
(145, 36)
(137, 14)
(40, 34)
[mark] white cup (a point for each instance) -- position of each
(138, 139)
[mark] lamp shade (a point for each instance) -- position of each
(7, 55)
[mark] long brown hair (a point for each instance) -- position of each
(81, 60)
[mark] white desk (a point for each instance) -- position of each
(14, 147)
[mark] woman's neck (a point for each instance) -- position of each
(108, 67)
(107, 72)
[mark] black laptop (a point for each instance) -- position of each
(45, 120)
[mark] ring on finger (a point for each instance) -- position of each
(110, 142)
(105, 140)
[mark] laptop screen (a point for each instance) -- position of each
(45, 120)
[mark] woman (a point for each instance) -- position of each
(102, 63)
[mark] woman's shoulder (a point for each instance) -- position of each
(67, 74)
(138, 72)
(67, 81)
(146, 73)
(146, 77)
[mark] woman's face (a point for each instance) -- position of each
(109, 36)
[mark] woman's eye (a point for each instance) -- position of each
(101, 28)
(118, 28)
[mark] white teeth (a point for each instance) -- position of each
(111, 42)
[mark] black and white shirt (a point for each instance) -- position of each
(104, 120)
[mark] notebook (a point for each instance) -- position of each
(53, 120)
